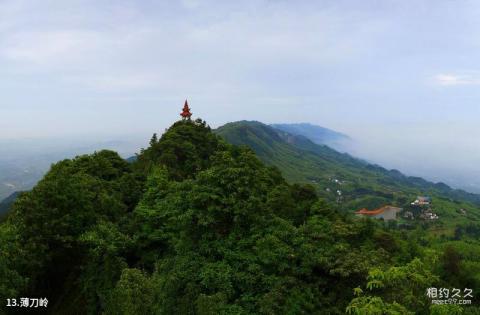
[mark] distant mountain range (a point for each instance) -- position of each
(338, 176)
(317, 134)
(344, 143)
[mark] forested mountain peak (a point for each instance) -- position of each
(184, 149)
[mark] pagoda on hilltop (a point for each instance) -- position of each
(186, 111)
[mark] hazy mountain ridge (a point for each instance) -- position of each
(317, 134)
(454, 176)
(414, 181)
(300, 159)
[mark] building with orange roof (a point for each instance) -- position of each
(385, 212)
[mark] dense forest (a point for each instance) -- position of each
(196, 225)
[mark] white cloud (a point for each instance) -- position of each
(46, 47)
(448, 79)
(113, 47)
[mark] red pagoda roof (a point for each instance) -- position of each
(365, 211)
(370, 212)
(186, 111)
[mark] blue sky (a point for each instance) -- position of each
(400, 77)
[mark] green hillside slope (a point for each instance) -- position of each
(351, 182)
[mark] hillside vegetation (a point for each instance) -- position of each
(360, 184)
(196, 225)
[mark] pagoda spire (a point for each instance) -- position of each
(186, 111)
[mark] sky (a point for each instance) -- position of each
(402, 78)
